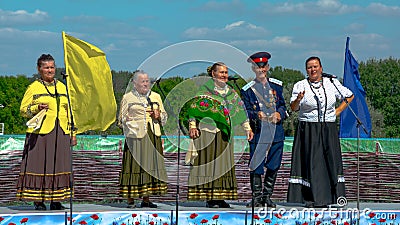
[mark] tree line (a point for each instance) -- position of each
(380, 79)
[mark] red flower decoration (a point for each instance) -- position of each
(206, 105)
(371, 215)
(202, 103)
(215, 217)
(123, 223)
(165, 223)
(316, 214)
(346, 223)
(24, 220)
(382, 220)
(137, 223)
(12, 224)
(318, 222)
(267, 221)
(155, 215)
(193, 215)
(226, 111)
(305, 223)
(278, 215)
(94, 216)
(151, 222)
(1, 218)
(333, 222)
(256, 217)
(134, 215)
(82, 222)
(203, 221)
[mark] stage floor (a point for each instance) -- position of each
(191, 213)
(191, 206)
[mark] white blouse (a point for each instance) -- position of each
(318, 104)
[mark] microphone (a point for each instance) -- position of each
(148, 100)
(64, 74)
(233, 78)
(327, 75)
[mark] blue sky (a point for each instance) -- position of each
(129, 32)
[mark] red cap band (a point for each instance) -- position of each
(257, 60)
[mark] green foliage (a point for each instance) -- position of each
(12, 91)
(381, 81)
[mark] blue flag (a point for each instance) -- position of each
(351, 79)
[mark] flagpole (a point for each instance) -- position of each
(64, 74)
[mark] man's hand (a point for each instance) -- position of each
(249, 134)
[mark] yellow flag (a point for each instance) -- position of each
(89, 82)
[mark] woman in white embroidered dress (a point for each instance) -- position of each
(316, 176)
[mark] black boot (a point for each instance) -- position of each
(256, 189)
(269, 183)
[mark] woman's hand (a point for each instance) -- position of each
(296, 103)
(194, 133)
(155, 114)
(43, 106)
(74, 141)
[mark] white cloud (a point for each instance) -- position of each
(283, 41)
(321, 7)
(22, 17)
(383, 10)
(232, 31)
(354, 27)
(276, 42)
(233, 25)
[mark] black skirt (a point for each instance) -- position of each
(317, 169)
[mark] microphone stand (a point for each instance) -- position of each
(179, 152)
(359, 124)
(152, 123)
(70, 140)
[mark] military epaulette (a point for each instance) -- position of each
(248, 85)
(275, 81)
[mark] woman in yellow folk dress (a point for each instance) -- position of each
(46, 161)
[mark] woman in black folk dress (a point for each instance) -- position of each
(316, 177)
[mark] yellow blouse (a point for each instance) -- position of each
(40, 92)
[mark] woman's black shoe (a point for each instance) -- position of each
(223, 204)
(131, 205)
(56, 206)
(39, 206)
(212, 204)
(147, 205)
(309, 204)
